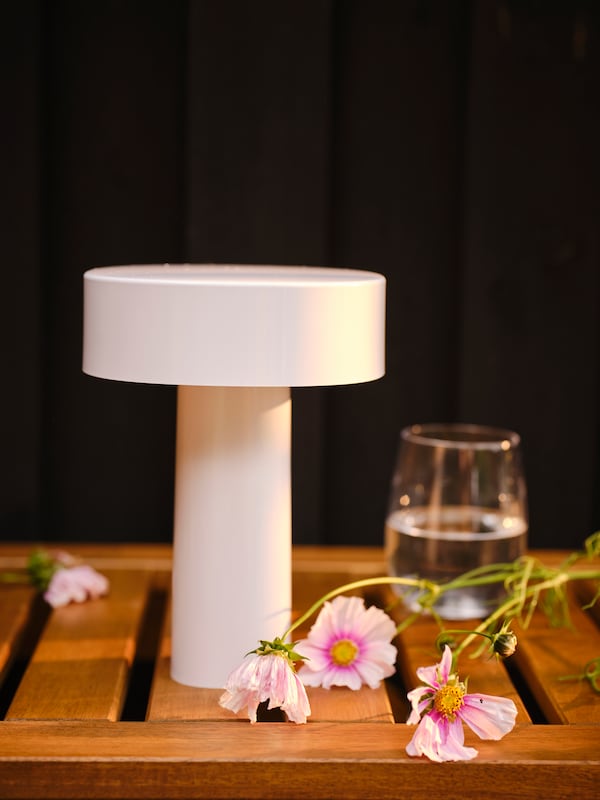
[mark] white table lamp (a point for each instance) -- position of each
(233, 339)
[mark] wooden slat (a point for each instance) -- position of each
(349, 561)
(79, 669)
(15, 609)
(546, 654)
(117, 555)
(340, 704)
(170, 700)
(318, 570)
(585, 592)
(211, 760)
(184, 752)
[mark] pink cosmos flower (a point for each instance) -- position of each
(348, 645)
(266, 676)
(442, 705)
(75, 584)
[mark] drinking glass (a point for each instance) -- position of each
(458, 501)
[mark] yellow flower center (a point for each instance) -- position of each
(343, 652)
(448, 700)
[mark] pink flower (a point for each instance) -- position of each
(75, 584)
(442, 705)
(271, 676)
(348, 645)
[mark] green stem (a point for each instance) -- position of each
(580, 574)
(519, 575)
(484, 580)
(514, 605)
(415, 583)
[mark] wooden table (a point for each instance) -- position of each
(89, 710)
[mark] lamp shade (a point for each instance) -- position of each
(227, 325)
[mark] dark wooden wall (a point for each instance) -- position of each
(452, 146)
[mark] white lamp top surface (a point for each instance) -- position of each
(228, 274)
(234, 325)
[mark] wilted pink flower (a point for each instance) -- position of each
(271, 676)
(442, 705)
(75, 584)
(348, 645)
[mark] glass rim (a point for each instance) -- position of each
(476, 437)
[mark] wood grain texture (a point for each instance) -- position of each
(210, 760)
(546, 655)
(79, 669)
(16, 607)
(318, 570)
(170, 700)
(63, 736)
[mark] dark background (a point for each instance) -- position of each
(452, 146)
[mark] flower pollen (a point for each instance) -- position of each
(448, 700)
(343, 652)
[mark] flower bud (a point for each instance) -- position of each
(504, 644)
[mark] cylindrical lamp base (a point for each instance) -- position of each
(232, 527)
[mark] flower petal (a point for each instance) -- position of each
(425, 740)
(317, 658)
(445, 665)
(370, 631)
(419, 698)
(437, 675)
(439, 740)
(488, 716)
(372, 624)
(242, 688)
(266, 677)
(372, 672)
(313, 677)
(75, 585)
(452, 748)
